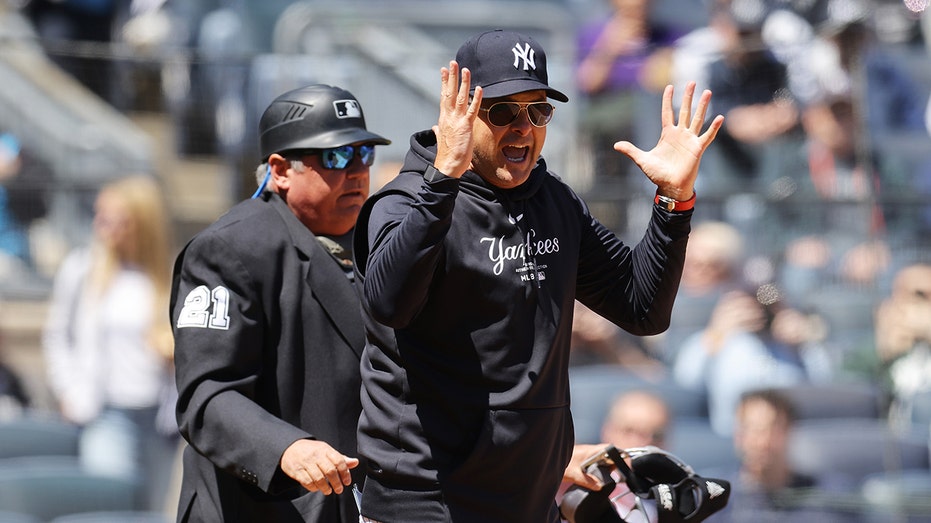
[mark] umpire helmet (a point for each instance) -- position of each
(313, 117)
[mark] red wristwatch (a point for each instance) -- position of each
(675, 205)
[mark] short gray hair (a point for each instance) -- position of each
(262, 170)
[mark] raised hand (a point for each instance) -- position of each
(454, 128)
(673, 163)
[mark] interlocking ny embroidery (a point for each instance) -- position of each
(525, 54)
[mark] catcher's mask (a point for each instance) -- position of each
(679, 494)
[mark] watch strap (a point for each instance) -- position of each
(432, 174)
(675, 205)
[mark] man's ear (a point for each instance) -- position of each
(281, 171)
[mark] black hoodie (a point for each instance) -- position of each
(468, 295)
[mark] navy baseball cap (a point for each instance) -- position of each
(505, 63)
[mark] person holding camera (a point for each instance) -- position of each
(754, 339)
(903, 338)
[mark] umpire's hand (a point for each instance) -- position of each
(318, 466)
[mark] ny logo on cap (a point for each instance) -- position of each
(525, 54)
(347, 109)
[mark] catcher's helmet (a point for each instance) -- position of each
(313, 117)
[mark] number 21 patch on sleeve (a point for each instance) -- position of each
(206, 308)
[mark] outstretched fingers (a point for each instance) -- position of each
(712, 131)
(666, 113)
(453, 129)
(450, 85)
(472, 110)
(699, 119)
(694, 122)
(462, 96)
(685, 110)
(455, 90)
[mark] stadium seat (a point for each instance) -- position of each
(854, 448)
(848, 312)
(116, 516)
(921, 409)
(52, 486)
(35, 434)
(17, 517)
(594, 387)
(903, 497)
(834, 400)
(696, 443)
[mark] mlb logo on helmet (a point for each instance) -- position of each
(315, 116)
(347, 109)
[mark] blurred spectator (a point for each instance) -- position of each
(752, 340)
(751, 89)
(838, 166)
(146, 31)
(65, 25)
(901, 358)
(860, 106)
(765, 488)
(107, 339)
(210, 93)
(846, 60)
(846, 211)
(713, 266)
(115, 48)
(13, 240)
(783, 28)
(813, 262)
(844, 51)
(713, 260)
(23, 180)
(596, 340)
(841, 220)
(13, 395)
(637, 418)
(694, 51)
(621, 56)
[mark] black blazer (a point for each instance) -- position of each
(268, 338)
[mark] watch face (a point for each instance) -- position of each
(668, 203)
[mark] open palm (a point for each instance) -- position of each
(673, 163)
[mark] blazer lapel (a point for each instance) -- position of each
(336, 295)
(327, 281)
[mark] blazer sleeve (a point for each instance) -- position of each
(220, 328)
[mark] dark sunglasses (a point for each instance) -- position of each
(338, 158)
(502, 114)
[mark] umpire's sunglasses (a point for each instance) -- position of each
(502, 114)
(337, 158)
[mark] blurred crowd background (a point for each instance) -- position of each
(808, 270)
